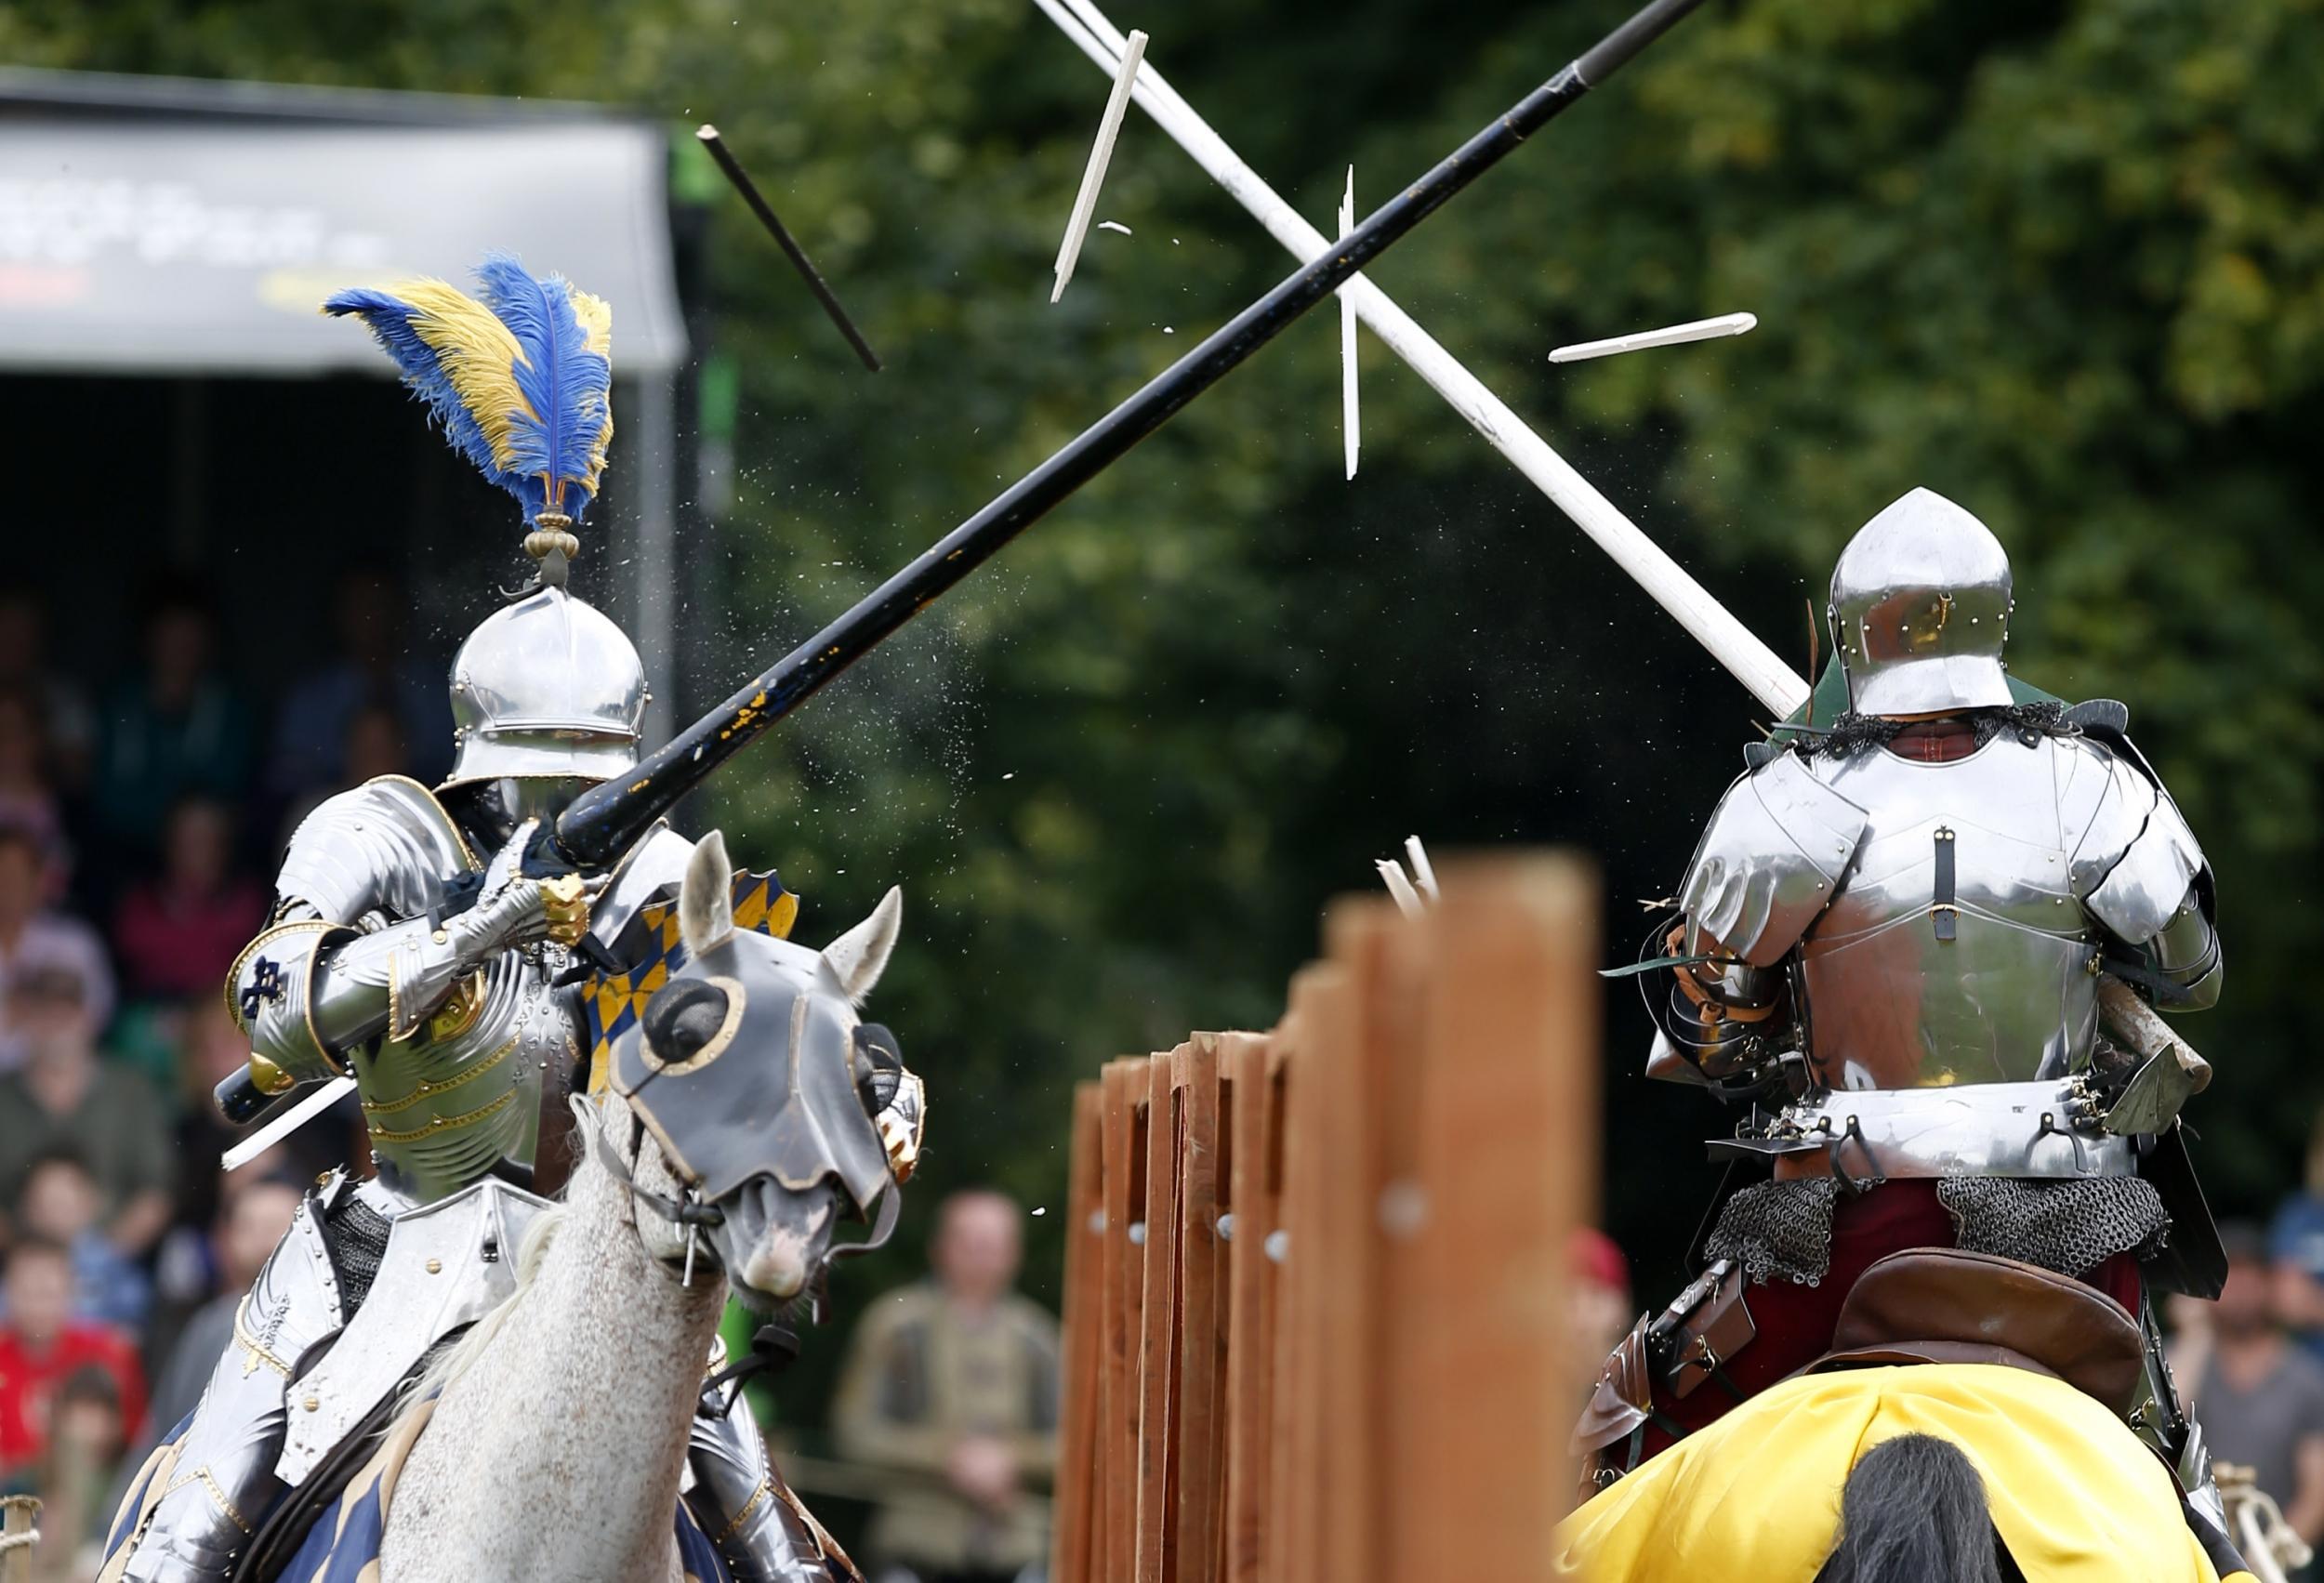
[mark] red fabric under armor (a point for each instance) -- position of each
(1795, 1323)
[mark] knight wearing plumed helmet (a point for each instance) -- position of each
(1921, 938)
(411, 950)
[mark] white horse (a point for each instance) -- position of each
(548, 1442)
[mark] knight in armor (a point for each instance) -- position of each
(409, 950)
(1892, 944)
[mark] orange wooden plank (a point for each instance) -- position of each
(1372, 1051)
(1507, 1161)
(1071, 1560)
(1159, 1324)
(1315, 1031)
(1123, 1185)
(1202, 1339)
(1223, 1305)
(1254, 1189)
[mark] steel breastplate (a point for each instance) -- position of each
(463, 1095)
(1955, 950)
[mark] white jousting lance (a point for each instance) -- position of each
(1093, 174)
(1769, 679)
(1352, 435)
(1668, 336)
(283, 1126)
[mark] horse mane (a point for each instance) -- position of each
(454, 1359)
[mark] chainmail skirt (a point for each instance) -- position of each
(1782, 1229)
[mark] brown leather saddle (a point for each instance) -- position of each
(1948, 1305)
(1921, 1305)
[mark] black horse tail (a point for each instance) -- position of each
(1914, 1511)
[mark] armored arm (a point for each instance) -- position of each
(307, 990)
(1723, 1014)
(361, 945)
(1768, 862)
(2140, 872)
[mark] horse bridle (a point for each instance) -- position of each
(688, 1213)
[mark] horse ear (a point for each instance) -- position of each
(705, 900)
(860, 956)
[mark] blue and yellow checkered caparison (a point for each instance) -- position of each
(614, 1002)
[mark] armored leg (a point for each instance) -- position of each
(748, 1512)
(223, 1482)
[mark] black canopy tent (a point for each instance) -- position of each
(171, 400)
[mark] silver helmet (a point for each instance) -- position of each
(546, 686)
(1919, 609)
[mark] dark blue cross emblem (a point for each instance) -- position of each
(266, 984)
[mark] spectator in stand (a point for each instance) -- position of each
(956, 1381)
(27, 799)
(179, 932)
(33, 936)
(215, 1050)
(25, 668)
(178, 728)
(2295, 1243)
(2259, 1398)
(42, 1346)
(374, 747)
(1601, 1313)
(59, 1202)
(375, 669)
(64, 1096)
(254, 1218)
(86, 1433)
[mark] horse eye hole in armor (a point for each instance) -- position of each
(682, 1019)
(878, 1066)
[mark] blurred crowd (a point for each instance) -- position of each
(137, 820)
(2251, 1364)
(137, 827)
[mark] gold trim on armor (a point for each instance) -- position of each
(737, 998)
(757, 1496)
(397, 1030)
(444, 1123)
(249, 1342)
(208, 1481)
(320, 929)
(460, 1009)
(429, 1090)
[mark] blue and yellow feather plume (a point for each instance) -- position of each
(521, 382)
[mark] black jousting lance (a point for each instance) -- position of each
(605, 821)
(708, 136)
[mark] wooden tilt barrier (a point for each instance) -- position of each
(1315, 1320)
